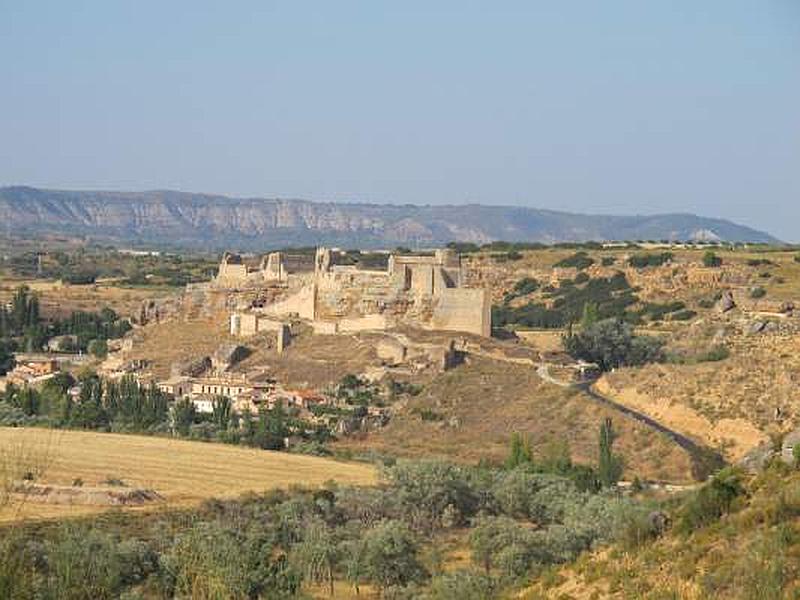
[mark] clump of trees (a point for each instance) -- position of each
(580, 260)
(612, 343)
(23, 327)
(610, 297)
(642, 261)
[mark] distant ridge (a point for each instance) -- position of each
(180, 219)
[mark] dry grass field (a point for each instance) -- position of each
(59, 300)
(469, 413)
(182, 472)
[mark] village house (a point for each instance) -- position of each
(32, 373)
(247, 392)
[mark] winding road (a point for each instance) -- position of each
(705, 460)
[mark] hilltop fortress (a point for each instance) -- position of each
(425, 291)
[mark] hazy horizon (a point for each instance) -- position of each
(621, 108)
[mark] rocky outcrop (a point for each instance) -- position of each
(726, 302)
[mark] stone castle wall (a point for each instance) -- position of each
(423, 291)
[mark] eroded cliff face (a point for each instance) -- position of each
(205, 220)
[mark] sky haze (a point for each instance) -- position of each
(623, 106)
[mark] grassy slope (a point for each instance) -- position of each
(487, 400)
(752, 553)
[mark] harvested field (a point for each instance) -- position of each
(182, 472)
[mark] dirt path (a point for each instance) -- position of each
(704, 459)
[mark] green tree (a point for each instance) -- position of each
(6, 356)
(184, 415)
(211, 562)
(611, 343)
(221, 409)
(520, 452)
(317, 555)
(386, 556)
(98, 348)
(491, 536)
(609, 465)
(590, 315)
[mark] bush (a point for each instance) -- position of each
(579, 260)
(98, 348)
(463, 585)
(710, 259)
(525, 286)
(711, 501)
(759, 262)
(641, 261)
(683, 315)
(758, 292)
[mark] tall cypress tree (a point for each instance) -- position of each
(609, 465)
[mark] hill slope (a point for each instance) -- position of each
(202, 220)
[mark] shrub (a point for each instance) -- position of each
(683, 315)
(641, 261)
(525, 286)
(581, 278)
(98, 348)
(759, 262)
(711, 501)
(579, 260)
(464, 585)
(758, 292)
(710, 259)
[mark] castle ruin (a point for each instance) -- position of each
(425, 291)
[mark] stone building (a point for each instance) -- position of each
(423, 291)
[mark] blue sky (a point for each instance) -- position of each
(613, 106)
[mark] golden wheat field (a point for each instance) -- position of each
(182, 472)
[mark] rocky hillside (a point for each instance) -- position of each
(202, 220)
